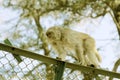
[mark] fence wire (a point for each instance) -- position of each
(31, 69)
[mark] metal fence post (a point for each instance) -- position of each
(59, 70)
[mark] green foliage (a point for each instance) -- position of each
(17, 57)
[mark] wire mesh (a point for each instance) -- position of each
(30, 69)
(10, 69)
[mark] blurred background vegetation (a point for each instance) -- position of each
(26, 30)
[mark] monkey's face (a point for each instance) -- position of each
(53, 33)
(50, 34)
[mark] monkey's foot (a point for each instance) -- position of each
(58, 58)
(91, 65)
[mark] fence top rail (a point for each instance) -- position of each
(49, 60)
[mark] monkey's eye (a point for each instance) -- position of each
(49, 34)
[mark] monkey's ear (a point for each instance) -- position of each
(57, 32)
(63, 34)
(60, 31)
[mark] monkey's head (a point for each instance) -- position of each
(54, 33)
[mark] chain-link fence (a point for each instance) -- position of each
(29, 69)
(35, 67)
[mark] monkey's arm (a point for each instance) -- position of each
(59, 48)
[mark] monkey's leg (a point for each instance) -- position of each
(80, 54)
(92, 58)
(90, 52)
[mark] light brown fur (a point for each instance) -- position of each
(65, 40)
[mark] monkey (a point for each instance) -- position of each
(66, 40)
